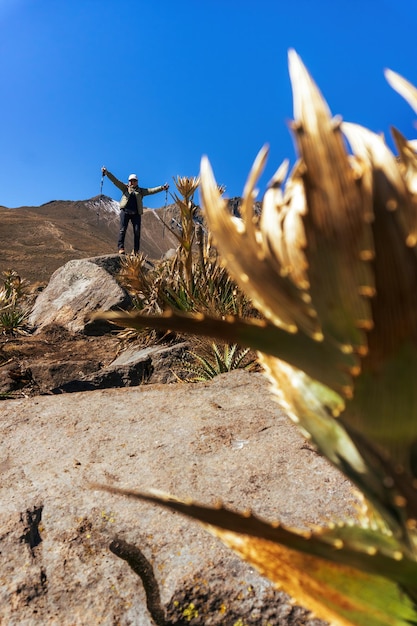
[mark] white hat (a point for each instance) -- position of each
(132, 177)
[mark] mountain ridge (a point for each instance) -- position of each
(37, 240)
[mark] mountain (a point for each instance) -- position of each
(35, 241)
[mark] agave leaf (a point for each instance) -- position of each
(403, 87)
(282, 220)
(221, 360)
(388, 187)
(206, 367)
(408, 167)
(397, 487)
(348, 575)
(384, 396)
(323, 360)
(408, 157)
(386, 387)
(313, 407)
(335, 229)
(244, 253)
(240, 357)
(336, 593)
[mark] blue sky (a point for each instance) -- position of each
(150, 86)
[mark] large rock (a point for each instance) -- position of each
(78, 289)
(224, 439)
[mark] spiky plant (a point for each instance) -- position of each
(332, 265)
(13, 287)
(186, 186)
(205, 367)
(143, 282)
(154, 287)
(14, 313)
(14, 321)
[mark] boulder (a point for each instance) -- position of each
(64, 546)
(78, 289)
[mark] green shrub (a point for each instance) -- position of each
(205, 367)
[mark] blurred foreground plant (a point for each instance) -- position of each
(332, 266)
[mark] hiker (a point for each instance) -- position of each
(131, 206)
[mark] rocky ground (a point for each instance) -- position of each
(60, 543)
(35, 364)
(58, 352)
(63, 545)
(224, 439)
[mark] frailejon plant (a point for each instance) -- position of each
(186, 186)
(164, 284)
(332, 266)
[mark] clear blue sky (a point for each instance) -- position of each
(150, 86)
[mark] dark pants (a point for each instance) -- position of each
(135, 218)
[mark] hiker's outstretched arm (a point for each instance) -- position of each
(114, 180)
(151, 190)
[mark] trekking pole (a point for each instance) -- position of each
(101, 198)
(164, 213)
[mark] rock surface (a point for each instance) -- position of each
(228, 439)
(77, 290)
(225, 439)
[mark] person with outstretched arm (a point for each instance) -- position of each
(131, 206)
